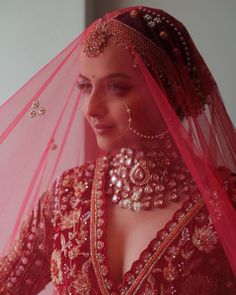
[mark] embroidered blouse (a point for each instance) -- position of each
(63, 240)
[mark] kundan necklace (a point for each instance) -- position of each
(143, 179)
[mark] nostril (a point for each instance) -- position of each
(96, 110)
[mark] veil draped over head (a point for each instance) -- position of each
(43, 131)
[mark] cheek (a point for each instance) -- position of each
(118, 112)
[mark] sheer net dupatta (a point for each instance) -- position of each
(41, 135)
(205, 137)
(187, 101)
(43, 131)
(209, 155)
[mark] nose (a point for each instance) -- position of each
(95, 106)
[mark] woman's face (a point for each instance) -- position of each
(109, 83)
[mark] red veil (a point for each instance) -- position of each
(43, 132)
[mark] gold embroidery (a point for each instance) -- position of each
(170, 272)
(82, 284)
(167, 238)
(69, 220)
(68, 180)
(204, 238)
(56, 267)
(74, 252)
(73, 223)
(96, 223)
(80, 187)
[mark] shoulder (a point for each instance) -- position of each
(71, 176)
(73, 187)
(76, 178)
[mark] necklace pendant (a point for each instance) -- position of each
(142, 180)
(139, 174)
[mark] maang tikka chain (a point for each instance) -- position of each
(139, 134)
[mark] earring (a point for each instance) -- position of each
(139, 134)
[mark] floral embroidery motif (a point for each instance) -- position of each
(70, 220)
(29, 254)
(71, 257)
(82, 284)
(80, 187)
(170, 272)
(56, 267)
(205, 238)
(68, 180)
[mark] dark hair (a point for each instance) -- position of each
(173, 40)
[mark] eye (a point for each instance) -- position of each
(84, 87)
(118, 89)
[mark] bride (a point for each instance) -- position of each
(133, 118)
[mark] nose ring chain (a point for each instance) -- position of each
(139, 134)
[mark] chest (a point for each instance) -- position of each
(129, 234)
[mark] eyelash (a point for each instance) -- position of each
(84, 87)
(118, 89)
(115, 89)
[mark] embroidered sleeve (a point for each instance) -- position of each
(26, 267)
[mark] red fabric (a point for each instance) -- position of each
(185, 256)
(34, 151)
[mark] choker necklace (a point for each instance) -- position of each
(146, 179)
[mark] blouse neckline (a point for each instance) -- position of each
(140, 268)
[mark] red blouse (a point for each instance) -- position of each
(63, 240)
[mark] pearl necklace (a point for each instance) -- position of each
(145, 179)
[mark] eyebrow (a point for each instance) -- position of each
(110, 76)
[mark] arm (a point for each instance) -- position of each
(26, 267)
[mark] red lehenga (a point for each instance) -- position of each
(64, 239)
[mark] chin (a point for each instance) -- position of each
(108, 144)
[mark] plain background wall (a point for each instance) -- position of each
(31, 34)
(212, 25)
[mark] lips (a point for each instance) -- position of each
(102, 128)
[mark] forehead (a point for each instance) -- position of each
(111, 60)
